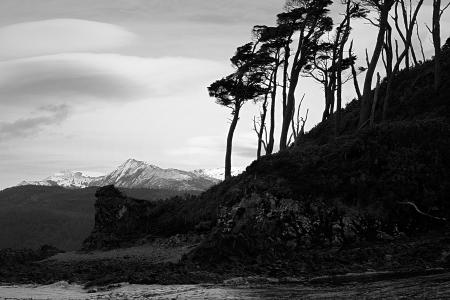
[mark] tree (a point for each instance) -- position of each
(436, 33)
(407, 20)
(353, 11)
(272, 40)
(310, 19)
(245, 84)
(352, 59)
(382, 8)
(298, 124)
(329, 63)
(403, 55)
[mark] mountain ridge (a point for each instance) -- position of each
(137, 174)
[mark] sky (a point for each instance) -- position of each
(85, 85)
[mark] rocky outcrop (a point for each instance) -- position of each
(118, 219)
(386, 183)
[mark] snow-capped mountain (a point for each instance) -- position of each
(67, 179)
(138, 174)
(218, 173)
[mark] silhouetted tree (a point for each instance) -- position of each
(272, 40)
(382, 8)
(407, 20)
(310, 19)
(246, 83)
(298, 124)
(353, 10)
(352, 60)
(403, 55)
(436, 33)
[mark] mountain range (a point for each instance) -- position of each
(138, 174)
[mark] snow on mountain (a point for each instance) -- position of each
(67, 179)
(139, 174)
(219, 173)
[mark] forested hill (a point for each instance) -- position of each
(384, 182)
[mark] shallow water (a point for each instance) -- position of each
(425, 287)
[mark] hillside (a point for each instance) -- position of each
(372, 185)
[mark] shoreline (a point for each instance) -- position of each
(163, 262)
(435, 286)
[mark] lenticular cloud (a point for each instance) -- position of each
(61, 36)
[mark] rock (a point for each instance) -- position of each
(118, 219)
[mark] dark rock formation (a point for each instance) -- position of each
(386, 183)
(118, 219)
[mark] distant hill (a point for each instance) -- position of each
(31, 216)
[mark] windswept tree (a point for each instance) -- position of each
(309, 18)
(326, 70)
(271, 41)
(382, 9)
(233, 91)
(329, 63)
(353, 10)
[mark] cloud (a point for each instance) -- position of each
(53, 115)
(211, 149)
(101, 77)
(59, 36)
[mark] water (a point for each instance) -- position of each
(422, 287)
(63, 290)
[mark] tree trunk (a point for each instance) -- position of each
(354, 74)
(375, 101)
(437, 43)
(271, 142)
(366, 98)
(345, 35)
(287, 54)
(326, 111)
(290, 106)
(230, 140)
(262, 126)
(338, 103)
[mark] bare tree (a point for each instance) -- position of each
(298, 124)
(403, 55)
(420, 42)
(407, 19)
(352, 59)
